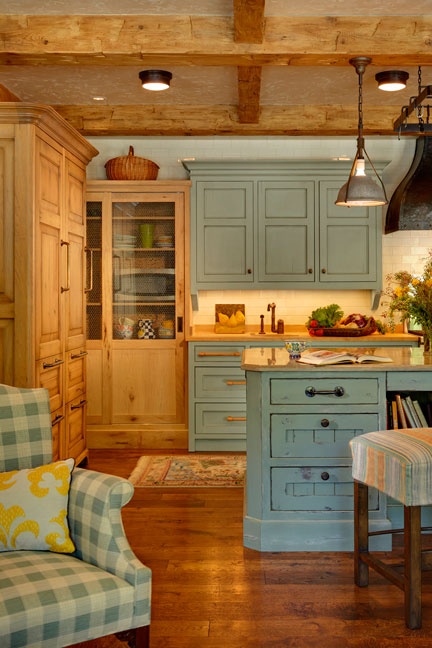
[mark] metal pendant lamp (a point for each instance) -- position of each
(361, 190)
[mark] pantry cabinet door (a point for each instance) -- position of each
(74, 241)
(48, 297)
(146, 385)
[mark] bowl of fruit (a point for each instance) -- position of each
(329, 321)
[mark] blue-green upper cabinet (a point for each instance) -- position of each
(286, 231)
(274, 225)
(348, 243)
(224, 231)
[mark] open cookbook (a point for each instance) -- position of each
(329, 357)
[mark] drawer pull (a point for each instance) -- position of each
(312, 391)
(81, 354)
(79, 406)
(48, 365)
(236, 418)
(325, 476)
(325, 422)
(236, 382)
(57, 419)
(206, 354)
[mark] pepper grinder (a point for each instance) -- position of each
(280, 326)
(261, 331)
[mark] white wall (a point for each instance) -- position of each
(401, 250)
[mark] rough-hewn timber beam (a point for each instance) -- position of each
(248, 21)
(203, 40)
(249, 87)
(224, 120)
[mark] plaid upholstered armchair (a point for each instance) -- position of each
(66, 583)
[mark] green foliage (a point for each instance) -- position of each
(325, 316)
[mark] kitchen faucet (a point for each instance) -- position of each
(272, 307)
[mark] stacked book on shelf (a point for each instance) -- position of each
(404, 412)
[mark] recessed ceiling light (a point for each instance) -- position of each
(99, 98)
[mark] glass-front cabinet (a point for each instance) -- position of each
(135, 301)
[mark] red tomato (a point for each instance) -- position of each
(319, 332)
(313, 324)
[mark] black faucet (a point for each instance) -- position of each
(272, 307)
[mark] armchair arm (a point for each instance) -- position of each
(96, 526)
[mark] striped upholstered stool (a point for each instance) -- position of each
(399, 464)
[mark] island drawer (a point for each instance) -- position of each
(323, 391)
(220, 382)
(316, 489)
(218, 353)
(317, 435)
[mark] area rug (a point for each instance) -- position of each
(190, 470)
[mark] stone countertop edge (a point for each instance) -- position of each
(277, 359)
(205, 333)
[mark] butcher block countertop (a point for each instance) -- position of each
(403, 359)
(205, 333)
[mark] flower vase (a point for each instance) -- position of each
(427, 336)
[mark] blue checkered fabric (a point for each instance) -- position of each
(50, 600)
(25, 425)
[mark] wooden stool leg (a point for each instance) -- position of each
(413, 567)
(361, 533)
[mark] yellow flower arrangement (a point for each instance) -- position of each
(411, 297)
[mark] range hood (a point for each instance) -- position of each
(410, 207)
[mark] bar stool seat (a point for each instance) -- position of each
(399, 464)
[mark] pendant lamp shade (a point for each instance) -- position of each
(360, 190)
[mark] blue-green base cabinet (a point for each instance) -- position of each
(217, 389)
(299, 489)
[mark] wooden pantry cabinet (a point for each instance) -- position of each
(42, 266)
(136, 313)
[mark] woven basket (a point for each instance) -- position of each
(131, 167)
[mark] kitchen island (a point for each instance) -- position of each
(300, 418)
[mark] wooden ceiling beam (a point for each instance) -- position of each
(181, 120)
(248, 21)
(249, 88)
(203, 40)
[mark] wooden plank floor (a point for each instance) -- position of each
(211, 592)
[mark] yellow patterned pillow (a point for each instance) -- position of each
(33, 508)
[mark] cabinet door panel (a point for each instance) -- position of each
(348, 240)
(224, 232)
(48, 297)
(75, 301)
(75, 432)
(144, 385)
(286, 231)
(49, 196)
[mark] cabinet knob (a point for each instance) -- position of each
(249, 270)
(325, 476)
(323, 270)
(325, 422)
(310, 271)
